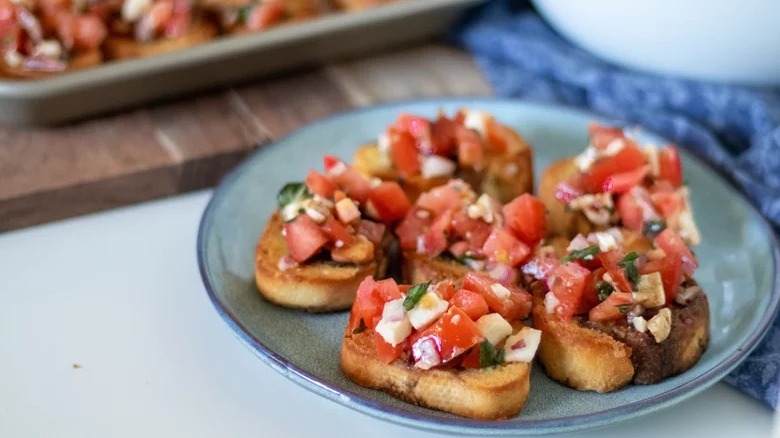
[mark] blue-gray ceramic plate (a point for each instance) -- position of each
(738, 271)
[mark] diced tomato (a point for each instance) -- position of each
(629, 158)
(503, 247)
(388, 289)
(668, 203)
(525, 216)
(471, 150)
(389, 201)
(445, 289)
(496, 139)
(264, 15)
(516, 306)
(472, 358)
(304, 237)
(669, 166)
(320, 184)
(540, 267)
(443, 136)
(440, 199)
(355, 185)
(375, 232)
(472, 303)
(610, 260)
(630, 212)
(418, 127)
(336, 231)
(181, 20)
(368, 305)
(614, 307)
(329, 162)
(435, 239)
(459, 248)
(623, 182)
(671, 243)
(453, 334)
(385, 352)
(567, 283)
(671, 269)
(416, 221)
(474, 231)
(602, 136)
(567, 190)
(590, 295)
(404, 153)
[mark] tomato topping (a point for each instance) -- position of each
(472, 359)
(368, 305)
(418, 127)
(590, 295)
(372, 231)
(389, 201)
(453, 334)
(602, 136)
(385, 352)
(264, 15)
(435, 239)
(669, 166)
(629, 158)
(445, 289)
(567, 190)
(304, 237)
(503, 247)
(459, 248)
(610, 260)
(540, 267)
(404, 153)
(623, 182)
(515, 306)
(410, 227)
(440, 199)
(355, 185)
(443, 136)
(320, 184)
(525, 216)
(671, 243)
(630, 212)
(470, 148)
(668, 203)
(388, 289)
(337, 231)
(614, 307)
(671, 269)
(472, 303)
(496, 138)
(329, 162)
(567, 283)
(474, 231)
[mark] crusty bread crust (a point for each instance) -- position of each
(495, 393)
(560, 221)
(313, 287)
(126, 48)
(420, 268)
(604, 357)
(505, 176)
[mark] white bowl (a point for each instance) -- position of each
(715, 40)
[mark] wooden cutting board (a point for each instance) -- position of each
(55, 173)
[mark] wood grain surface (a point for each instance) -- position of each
(55, 173)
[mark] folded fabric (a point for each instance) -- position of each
(735, 128)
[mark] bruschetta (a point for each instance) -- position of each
(436, 347)
(450, 231)
(328, 234)
(616, 307)
(422, 154)
(247, 16)
(617, 182)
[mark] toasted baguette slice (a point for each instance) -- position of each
(506, 175)
(356, 5)
(494, 393)
(127, 48)
(313, 287)
(560, 220)
(606, 356)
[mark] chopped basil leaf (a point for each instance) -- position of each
(653, 228)
(628, 265)
(488, 355)
(415, 293)
(360, 328)
(585, 253)
(291, 192)
(624, 308)
(604, 290)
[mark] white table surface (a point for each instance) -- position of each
(106, 330)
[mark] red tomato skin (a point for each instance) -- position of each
(329, 162)
(602, 136)
(368, 305)
(526, 217)
(404, 154)
(567, 283)
(445, 289)
(629, 158)
(517, 306)
(385, 352)
(471, 150)
(443, 136)
(608, 309)
(672, 243)
(496, 139)
(624, 181)
(390, 201)
(355, 185)
(418, 127)
(472, 303)
(671, 270)
(435, 239)
(630, 212)
(264, 15)
(503, 247)
(411, 227)
(670, 166)
(337, 231)
(590, 295)
(440, 199)
(669, 204)
(610, 260)
(471, 359)
(540, 267)
(453, 333)
(304, 237)
(388, 289)
(474, 231)
(320, 184)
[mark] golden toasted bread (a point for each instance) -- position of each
(606, 356)
(560, 220)
(126, 48)
(505, 176)
(356, 5)
(493, 393)
(316, 286)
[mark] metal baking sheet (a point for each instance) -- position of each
(226, 60)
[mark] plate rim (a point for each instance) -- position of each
(381, 411)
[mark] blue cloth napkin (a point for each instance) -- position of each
(735, 128)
